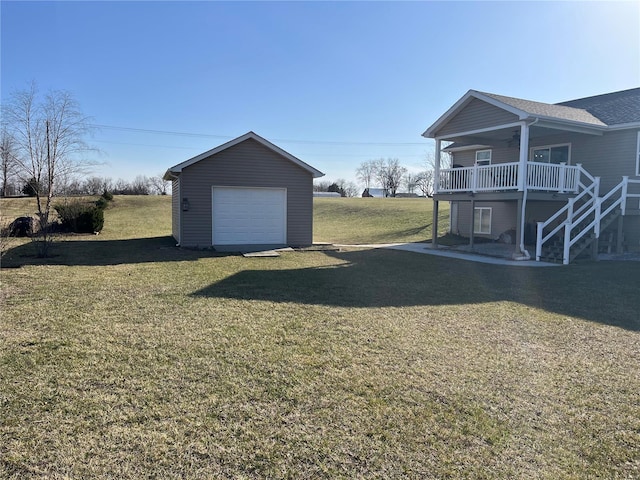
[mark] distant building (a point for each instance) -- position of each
(375, 192)
(326, 194)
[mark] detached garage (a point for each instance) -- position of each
(246, 194)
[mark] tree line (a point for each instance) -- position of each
(43, 153)
(389, 175)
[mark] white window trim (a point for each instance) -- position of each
(478, 229)
(484, 160)
(638, 155)
(542, 147)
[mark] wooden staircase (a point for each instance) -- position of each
(580, 223)
(553, 251)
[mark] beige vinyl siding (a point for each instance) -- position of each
(175, 209)
(467, 158)
(476, 115)
(608, 156)
(632, 232)
(247, 164)
(503, 218)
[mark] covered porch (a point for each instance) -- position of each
(506, 149)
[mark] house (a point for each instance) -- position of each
(565, 177)
(375, 192)
(246, 194)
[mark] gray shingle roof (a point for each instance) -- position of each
(561, 112)
(615, 108)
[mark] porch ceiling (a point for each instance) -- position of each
(504, 137)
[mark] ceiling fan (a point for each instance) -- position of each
(514, 141)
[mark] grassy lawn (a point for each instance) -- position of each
(375, 220)
(124, 357)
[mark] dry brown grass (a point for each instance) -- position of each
(124, 357)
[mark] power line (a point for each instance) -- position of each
(279, 140)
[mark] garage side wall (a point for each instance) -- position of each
(247, 164)
(175, 209)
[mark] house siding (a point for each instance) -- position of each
(175, 209)
(503, 218)
(476, 115)
(247, 164)
(467, 158)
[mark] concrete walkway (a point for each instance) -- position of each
(444, 251)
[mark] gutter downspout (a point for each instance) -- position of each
(524, 254)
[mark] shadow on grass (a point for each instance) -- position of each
(601, 292)
(94, 252)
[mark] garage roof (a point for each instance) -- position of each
(177, 169)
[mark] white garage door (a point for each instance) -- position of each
(249, 216)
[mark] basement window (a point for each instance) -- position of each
(482, 220)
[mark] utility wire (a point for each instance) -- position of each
(279, 140)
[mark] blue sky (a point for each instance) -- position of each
(333, 83)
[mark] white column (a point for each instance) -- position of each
(524, 156)
(436, 169)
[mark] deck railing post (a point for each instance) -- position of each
(539, 241)
(597, 218)
(567, 243)
(474, 178)
(570, 210)
(576, 185)
(563, 173)
(623, 194)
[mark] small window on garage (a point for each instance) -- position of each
(482, 220)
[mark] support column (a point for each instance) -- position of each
(434, 225)
(519, 232)
(436, 185)
(473, 216)
(436, 167)
(524, 156)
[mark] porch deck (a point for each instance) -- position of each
(548, 177)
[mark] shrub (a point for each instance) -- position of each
(80, 217)
(108, 196)
(102, 203)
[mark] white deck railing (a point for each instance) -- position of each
(593, 209)
(551, 177)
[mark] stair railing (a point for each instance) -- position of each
(591, 192)
(599, 215)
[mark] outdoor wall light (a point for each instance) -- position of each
(185, 204)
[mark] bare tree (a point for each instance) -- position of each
(411, 181)
(140, 185)
(93, 186)
(425, 183)
(49, 133)
(427, 178)
(366, 172)
(350, 189)
(390, 173)
(159, 185)
(321, 186)
(7, 162)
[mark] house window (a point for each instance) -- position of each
(551, 154)
(483, 157)
(482, 220)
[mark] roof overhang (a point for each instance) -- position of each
(460, 104)
(173, 172)
(524, 116)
